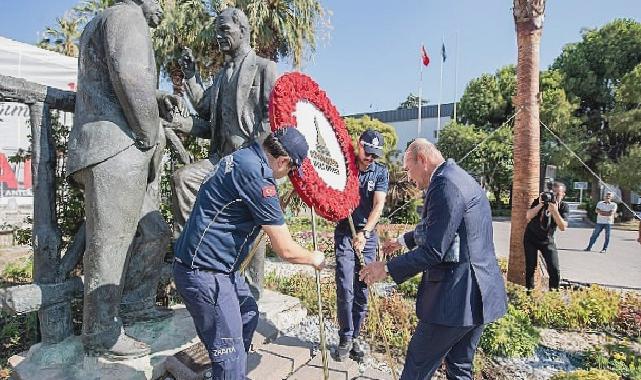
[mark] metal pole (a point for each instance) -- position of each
(321, 322)
(420, 105)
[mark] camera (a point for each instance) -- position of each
(548, 195)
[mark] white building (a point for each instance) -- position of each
(405, 122)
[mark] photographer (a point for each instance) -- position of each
(546, 213)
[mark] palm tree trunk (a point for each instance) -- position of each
(528, 17)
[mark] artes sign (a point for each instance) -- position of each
(330, 178)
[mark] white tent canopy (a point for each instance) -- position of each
(37, 65)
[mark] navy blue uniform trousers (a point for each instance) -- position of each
(351, 294)
(225, 315)
(431, 343)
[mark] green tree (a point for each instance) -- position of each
(482, 103)
(593, 70)
(626, 120)
(411, 102)
(488, 158)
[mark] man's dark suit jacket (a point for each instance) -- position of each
(464, 293)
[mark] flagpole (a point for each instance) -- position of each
(455, 75)
(440, 93)
(420, 94)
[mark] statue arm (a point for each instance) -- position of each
(269, 80)
(197, 94)
(132, 71)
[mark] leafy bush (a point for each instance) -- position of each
(593, 374)
(397, 321)
(410, 287)
(594, 307)
(18, 272)
(618, 358)
(510, 336)
(628, 319)
(17, 333)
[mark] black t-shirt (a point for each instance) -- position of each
(542, 227)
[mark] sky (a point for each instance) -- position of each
(369, 58)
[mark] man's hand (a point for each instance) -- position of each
(318, 260)
(553, 208)
(359, 242)
(188, 63)
(391, 246)
(373, 272)
(171, 106)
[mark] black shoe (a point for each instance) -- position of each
(342, 351)
(603, 250)
(125, 348)
(358, 351)
(587, 249)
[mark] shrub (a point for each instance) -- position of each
(618, 358)
(593, 374)
(510, 336)
(17, 333)
(18, 272)
(628, 319)
(410, 287)
(594, 307)
(397, 321)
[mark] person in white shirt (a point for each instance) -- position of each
(606, 210)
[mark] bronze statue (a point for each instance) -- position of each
(232, 112)
(115, 147)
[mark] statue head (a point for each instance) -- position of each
(151, 9)
(232, 30)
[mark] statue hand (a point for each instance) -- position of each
(171, 106)
(179, 123)
(188, 63)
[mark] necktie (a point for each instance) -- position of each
(229, 70)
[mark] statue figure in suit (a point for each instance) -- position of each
(114, 151)
(232, 113)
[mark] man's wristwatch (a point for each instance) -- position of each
(367, 233)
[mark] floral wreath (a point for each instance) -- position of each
(328, 202)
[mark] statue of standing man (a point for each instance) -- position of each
(232, 112)
(115, 147)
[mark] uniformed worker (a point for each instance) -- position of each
(351, 294)
(235, 201)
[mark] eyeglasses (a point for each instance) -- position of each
(370, 155)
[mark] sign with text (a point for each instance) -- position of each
(580, 185)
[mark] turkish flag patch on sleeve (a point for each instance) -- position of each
(269, 191)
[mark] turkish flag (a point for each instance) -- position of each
(424, 56)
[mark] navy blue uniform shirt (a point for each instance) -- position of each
(374, 178)
(234, 200)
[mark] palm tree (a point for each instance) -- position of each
(528, 17)
(284, 28)
(63, 38)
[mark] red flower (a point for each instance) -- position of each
(328, 202)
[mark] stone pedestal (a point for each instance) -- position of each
(67, 361)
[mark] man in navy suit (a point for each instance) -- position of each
(462, 288)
